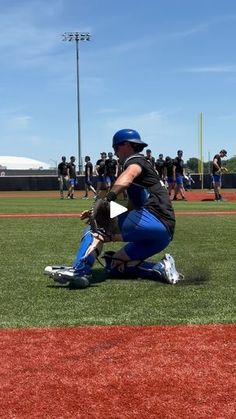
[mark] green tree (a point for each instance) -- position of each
(231, 165)
(192, 165)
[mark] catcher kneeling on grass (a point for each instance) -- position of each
(147, 227)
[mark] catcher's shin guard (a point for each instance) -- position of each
(90, 247)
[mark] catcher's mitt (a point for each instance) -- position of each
(99, 219)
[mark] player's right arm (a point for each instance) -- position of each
(126, 178)
(215, 163)
(174, 172)
(68, 171)
(96, 169)
(58, 172)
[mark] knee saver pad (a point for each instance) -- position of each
(144, 270)
(133, 269)
(89, 247)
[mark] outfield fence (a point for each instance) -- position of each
(46, 182)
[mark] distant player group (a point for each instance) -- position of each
(67, 177)
(108, 168)
(170, 170)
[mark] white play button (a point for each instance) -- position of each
(116, 209)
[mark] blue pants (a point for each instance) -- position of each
(217, 178)
(179, 179)
(146, 234)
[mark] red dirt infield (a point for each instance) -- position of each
(192, 196)
(119, 372)
(198, 195)
(77, 215)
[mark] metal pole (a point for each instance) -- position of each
(201, 130)
(77, 36)
(78, 108)
(209, 162)
(200, 142)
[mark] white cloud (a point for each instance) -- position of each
(137, 120)
(15, 122)
(107, 111)
(202, 27)
(93, 85)
(22, 122)
(154, 38)
(211, 69)
(155, 125)
(230, 117)
(24, 37)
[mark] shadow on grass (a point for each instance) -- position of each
(99, 276)
(197, 276)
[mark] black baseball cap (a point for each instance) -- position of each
(224, 152)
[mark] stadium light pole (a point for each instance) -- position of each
(77, 37)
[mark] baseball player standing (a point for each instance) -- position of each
(100, 170)
(88, 173)
(63, 176)
(178, 175)
(111, 171)
(72, 177)
(217, 171)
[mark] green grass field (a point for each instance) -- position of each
(203, 246)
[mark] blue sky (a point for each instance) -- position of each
(152, 66)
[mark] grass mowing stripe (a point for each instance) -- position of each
(42, 205)
(30, 299)
(55, 205)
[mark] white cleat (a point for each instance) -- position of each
(51, 271)
(75, 278)
(172, 276)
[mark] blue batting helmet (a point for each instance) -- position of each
(129, 135)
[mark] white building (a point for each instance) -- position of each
(21, 163)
